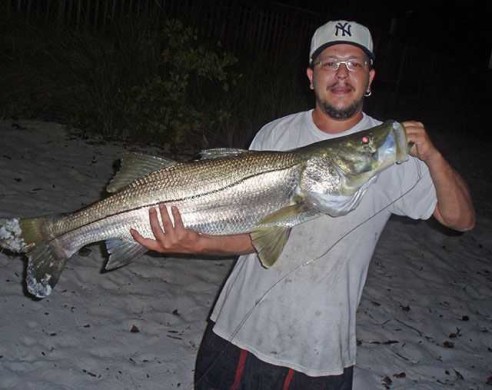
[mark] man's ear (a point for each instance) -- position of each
(309, 74)
(372, 75)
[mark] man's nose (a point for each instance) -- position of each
(342, 71)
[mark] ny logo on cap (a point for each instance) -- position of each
(343, 28)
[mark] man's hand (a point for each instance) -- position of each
(169, 237)
(175, 238)
(422, 148)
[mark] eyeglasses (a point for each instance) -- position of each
(332, 64)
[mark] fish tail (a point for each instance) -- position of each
(46, 257)
(11, 235)
(46, 263)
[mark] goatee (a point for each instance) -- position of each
(343, 113)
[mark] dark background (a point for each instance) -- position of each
(433, 58)
(458, 27)
(446, 77)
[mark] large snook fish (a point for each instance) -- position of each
(227, 191)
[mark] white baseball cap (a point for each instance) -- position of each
(341, 31)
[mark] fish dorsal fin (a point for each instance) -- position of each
(134, 166)
(209, 154)
(122, 252)
(272, 233)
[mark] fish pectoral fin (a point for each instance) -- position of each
(44, 267)
(269, 243)
(272, 232)
(210, 154)
(135, 166)
(122, 252)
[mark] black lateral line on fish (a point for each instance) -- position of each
(154, 204)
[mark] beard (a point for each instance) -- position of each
(339, 113)
(342, 113)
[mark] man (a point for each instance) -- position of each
(293, 325)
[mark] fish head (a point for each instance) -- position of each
(360, 156)
(339, 171)
(370, 150)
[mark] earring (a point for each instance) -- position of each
(368, 93)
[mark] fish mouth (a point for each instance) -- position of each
(393, 146)
(401, 142)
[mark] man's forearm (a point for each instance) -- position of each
(454, 205)
(173, 238)
(225, 245)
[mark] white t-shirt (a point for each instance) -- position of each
(300, 313)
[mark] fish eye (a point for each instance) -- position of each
(365, 140)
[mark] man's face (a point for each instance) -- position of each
(340, 92)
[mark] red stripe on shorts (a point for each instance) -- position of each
(239, 369)
(288, 379)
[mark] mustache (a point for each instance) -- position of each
(338, 84)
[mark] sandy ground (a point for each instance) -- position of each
(425, 320)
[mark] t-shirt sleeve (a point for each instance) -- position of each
(270, 135)
(260, 141)
(417, 195)
(257, 142)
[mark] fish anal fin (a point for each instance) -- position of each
(135, 166)
(122, 252)
(44, 267)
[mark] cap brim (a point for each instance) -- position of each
(323, 47)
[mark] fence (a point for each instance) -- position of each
(270, 28)
(276, 30)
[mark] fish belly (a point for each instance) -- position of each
(232, 210)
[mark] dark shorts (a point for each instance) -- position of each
(221, 365)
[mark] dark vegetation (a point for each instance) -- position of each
(161, 79)
(142, 79)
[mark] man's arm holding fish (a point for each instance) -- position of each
(175, 238)
(454, 207)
